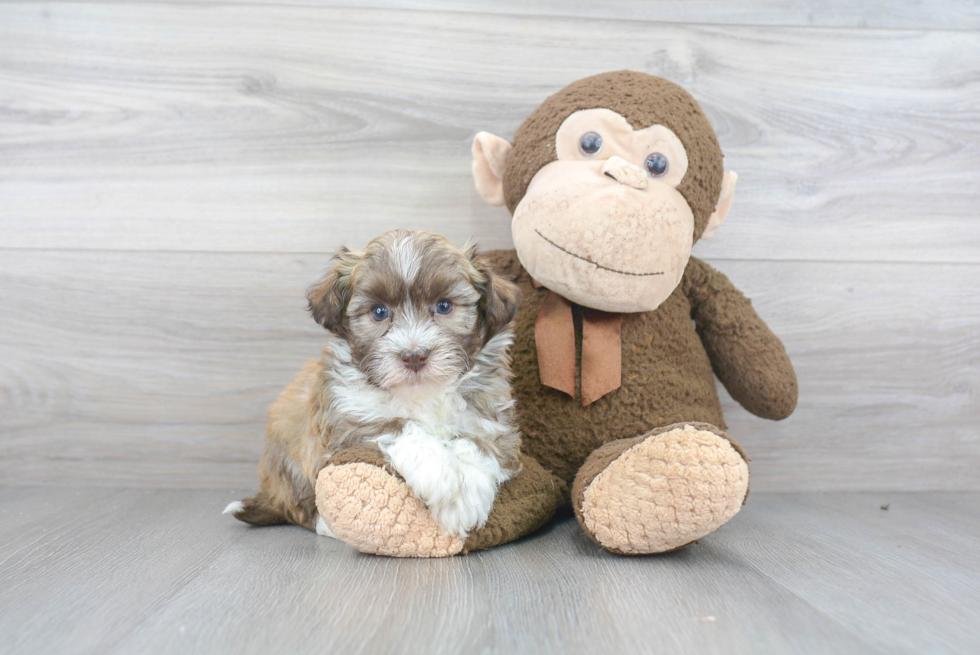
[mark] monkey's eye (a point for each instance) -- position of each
(380, 313)
(656, 164)
(444, 307)
(590, 144)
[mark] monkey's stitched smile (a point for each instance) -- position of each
(596, 264)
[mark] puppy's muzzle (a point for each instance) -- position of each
(415, 358)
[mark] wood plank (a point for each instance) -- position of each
(892, 14)
(554, 592)
(946, 14)
(21, 506)
(147, 367)
(160, 570)
(156, 369)
(295, 128)
(81, 582)
(849, 559)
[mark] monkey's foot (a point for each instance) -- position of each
(662, 491)
(368, 506)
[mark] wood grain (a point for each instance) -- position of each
(173, 174)
(944, 14)
(140, 570)
(228, 127)
(903, 14)
(157, 368)
(847, 557)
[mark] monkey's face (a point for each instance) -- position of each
(610, 181)
(604, 224)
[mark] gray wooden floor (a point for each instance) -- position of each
(117, 570)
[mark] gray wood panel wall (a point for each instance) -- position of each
(173, 175)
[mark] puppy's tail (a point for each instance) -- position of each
(257, 510)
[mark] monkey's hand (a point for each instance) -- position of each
(746, 356)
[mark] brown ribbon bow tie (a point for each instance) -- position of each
(602, 351)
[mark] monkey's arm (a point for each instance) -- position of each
(746, 356)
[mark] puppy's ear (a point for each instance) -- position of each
(499, 297)
(328, 298)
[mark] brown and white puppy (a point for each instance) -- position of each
(416, 366)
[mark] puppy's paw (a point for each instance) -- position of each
(455, 479)
(479, 478)
(457, 517)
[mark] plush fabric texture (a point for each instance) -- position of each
(661, 491)
(667, 375)
(724, 205)
(747, 357)
(599, 242)
(602, 350)
(523, 504)
(643, 100)
(619, 141)
(554, 341)
(489, 157)
(602, 354)
(368, 506)
(375, 512)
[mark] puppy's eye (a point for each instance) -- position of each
(656, 164)
(590, 144)
(444, 307)
(379, 313)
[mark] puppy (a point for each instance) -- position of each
(417, 366)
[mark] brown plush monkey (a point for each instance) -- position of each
(610, 181)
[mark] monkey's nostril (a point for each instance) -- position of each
(611, 176)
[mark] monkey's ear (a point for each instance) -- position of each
(328, 298)
(724, 204)
(489, 158)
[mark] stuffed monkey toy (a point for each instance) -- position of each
(619, 336)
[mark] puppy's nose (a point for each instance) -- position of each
(625, 173)
(415, 358)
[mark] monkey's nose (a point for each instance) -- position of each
(415, 358)
(625, 173)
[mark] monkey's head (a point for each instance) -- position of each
(610, 181)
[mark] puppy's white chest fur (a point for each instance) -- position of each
(455, 479)
(444, 445)
(441, 412)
